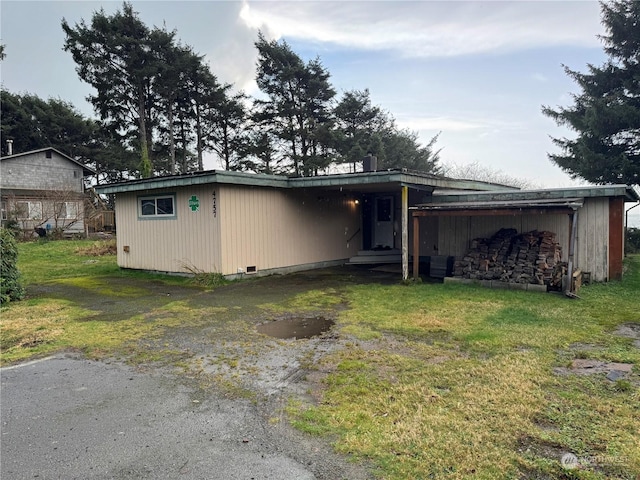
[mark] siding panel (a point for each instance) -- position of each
(269, 228)
(593, 238)
(456, 233)
(190, 241)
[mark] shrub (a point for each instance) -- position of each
(10, 286)
(633, 240)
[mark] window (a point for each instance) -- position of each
(161, 206)
(67, 210)
(4, 210)
(29, 210)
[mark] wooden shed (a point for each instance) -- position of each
(588, 222)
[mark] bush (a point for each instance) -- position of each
(10, 286)
(633, 240)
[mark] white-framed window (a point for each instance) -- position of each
(28, 210)
(67, 210)
(157, 206)
(3, 209)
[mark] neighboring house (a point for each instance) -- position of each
(237, 223)
(44, 189)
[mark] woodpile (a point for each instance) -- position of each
(531, 257)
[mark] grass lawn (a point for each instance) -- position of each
(451, 381)
(42, 324)
(438, 381)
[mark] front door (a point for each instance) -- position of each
(383, 222)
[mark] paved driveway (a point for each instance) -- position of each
(70, 418)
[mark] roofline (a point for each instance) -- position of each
(195, 178)
(39, 150)
(617, 190)
(402, 177)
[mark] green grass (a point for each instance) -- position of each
(451, 381)
(436, 380)
(46, 261)
(43, 324)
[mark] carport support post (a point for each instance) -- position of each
(405, 232)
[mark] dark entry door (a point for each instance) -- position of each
(383, 222)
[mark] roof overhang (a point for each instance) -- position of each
(360, 182)
(498, 208)
(629, 193)
(196, 178)
(551, 201)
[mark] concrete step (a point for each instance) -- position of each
(378, 253)
(375, 259)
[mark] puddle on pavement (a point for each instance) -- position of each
(296, 327)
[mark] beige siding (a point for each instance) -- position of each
(455, 233)
(190, 240)
(592, 252)
(274, 228)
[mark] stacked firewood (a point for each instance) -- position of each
(531, 257)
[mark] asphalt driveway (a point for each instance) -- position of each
(71, 418)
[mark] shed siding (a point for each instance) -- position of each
(592, 252)
(189, 241)
(271, 228)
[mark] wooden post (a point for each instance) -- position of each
(416, 247)
(405, 233)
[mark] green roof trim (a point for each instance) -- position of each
(399, 177)
(626, 191)
(196, 178)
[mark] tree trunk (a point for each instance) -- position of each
(172, 141)
(146, 168)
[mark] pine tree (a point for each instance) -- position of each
(606, 114)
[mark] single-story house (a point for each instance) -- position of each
(237, 223)
(44, 189)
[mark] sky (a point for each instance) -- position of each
(475, 72)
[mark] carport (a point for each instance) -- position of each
(589, 220)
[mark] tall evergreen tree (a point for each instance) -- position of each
(34, 123)
(228, 134)
(299, 100)
(606, 114)
(401, 149)
(117, 55)
(359, 125)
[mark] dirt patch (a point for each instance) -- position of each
(629, 330)
(581, 366)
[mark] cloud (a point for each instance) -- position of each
(438, 124)
(539, 77)
(480, 127)
(430, 29)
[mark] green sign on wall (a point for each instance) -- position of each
(194, 203)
